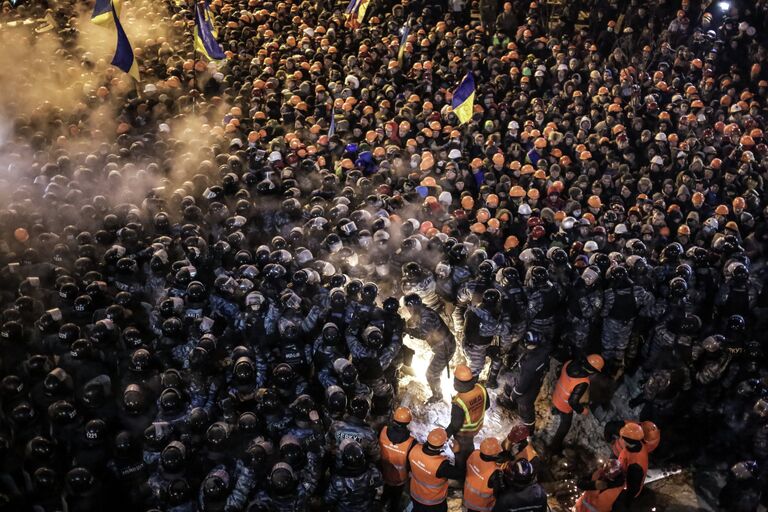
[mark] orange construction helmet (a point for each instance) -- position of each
(596, 361)
(511, 242)
(651, 432)
(21, 234)
(632, 431)
(490, 447)
(517, 191)
(402, 415)
(437, 438)
(463, 373)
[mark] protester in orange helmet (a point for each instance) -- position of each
(517, 445)
(602, 490)
(396, 442)
(651, 435)
(570, 393)
(484, 474)
(467, 410)
(430, 471)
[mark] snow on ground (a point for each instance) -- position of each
(585, 446)
(414, 393)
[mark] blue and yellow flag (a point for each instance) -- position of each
(355, 12)
(209, 17)
(102, 12)
(403, 39)
(362, 9)
(463, 100)
(205, 41)
(124, 58)
(352, 7)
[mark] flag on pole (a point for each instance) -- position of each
(205, 41)
(124, 58)
(361, 10)
(209, 17)
(403, 39)
(352, 7)
(102, 12)
(355, 12)
(464, 99)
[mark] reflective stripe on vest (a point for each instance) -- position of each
(469, 425)
(393, 459)
(477, 494)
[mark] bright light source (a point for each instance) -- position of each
(724, 6)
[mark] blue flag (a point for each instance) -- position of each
(403, 39)
(102, 12)
(332, 128)
(352, 7)
(205, 42)
(124, 58)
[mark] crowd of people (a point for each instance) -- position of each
(205, 308)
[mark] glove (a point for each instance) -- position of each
(455, 446)
(493, 351)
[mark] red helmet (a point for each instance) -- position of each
(518, 433)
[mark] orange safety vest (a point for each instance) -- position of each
(394, 457)
(628, 458)
(473, 404)
(477, 494)
(598, 501)
(426, 487)
(563, 389)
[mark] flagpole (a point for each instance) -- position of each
(194, 59)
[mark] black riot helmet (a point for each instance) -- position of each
(244, 370)
(486, 270)
(678, 287)
(80, 480)
(196, 291)
(214, 488)
(359, 407)
(539, 276)
(282, 480)
(173, 457)
(68, 333)
(352, 455)
(170, 400)
(283, 375)
(491, 298)
(373, 337)
(391, 305)
(369, 293)
(95, 430)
